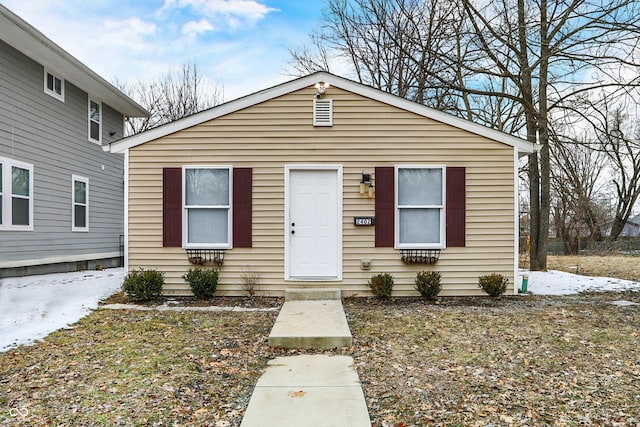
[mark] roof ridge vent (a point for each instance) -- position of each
(322, 112)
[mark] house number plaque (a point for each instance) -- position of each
(364, 220)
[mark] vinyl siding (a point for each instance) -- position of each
(365, 134)
(52, 136)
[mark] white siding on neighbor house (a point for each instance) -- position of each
(51, 135)
(365, 134)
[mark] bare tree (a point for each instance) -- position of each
(577, 177)
(621, 143)
(174, 95)
(511, 64)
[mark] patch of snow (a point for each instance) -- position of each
(32, 307)
(623, 303)
(560, 283)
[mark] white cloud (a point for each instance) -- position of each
(130, 32)
(193, 28)
(233, 12)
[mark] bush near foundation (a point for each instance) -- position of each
(381, 285)
(203, 281)
(493, 284)
(428, 284)
(143, 284)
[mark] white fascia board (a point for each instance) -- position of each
(25, 38)
(523, 147)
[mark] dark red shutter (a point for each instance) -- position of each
(172, 207)
(456, 207)
(385, 206)
(242, 207)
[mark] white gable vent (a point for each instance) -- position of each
(323, 112)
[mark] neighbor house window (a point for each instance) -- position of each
(16, 195)
(53, 85)
(95, 121)
(420, 207)
(80, 204)
(207, 207)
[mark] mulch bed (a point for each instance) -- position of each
(523, 360)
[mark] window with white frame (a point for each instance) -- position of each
(95, 121)
(53, 85)
(16, 195)
(207, 207)
(420, 207)
(80, 203)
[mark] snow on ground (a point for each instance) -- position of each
(34, 306)
(561, 283)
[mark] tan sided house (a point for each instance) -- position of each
(323, 182)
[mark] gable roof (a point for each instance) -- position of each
(25, 38)
(523, 147)
(635, 219)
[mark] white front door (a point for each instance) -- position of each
(314, 243)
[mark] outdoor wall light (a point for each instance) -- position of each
(370, 191)
(321, 87)
(365, 182)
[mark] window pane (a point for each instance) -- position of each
(80, 219)
(58, 84)
(207, 187)
(0, 177)
(20, 181)
(50, 81)
(20, 211)
(419, 225)
(80, 192)
(95, 131)
(208, 225)
(95, 111)
(419, 187)
(1, 210)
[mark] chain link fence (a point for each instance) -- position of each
(622, 246)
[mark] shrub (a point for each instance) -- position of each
(143, 284)
(203, 281)
(493, 284)
(428, 284)
(381, 285)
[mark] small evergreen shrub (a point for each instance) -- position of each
(143, 284)
(381, 285)
(203, 281)
(428, 284)
(493, 284)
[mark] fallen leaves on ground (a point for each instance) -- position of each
(520, 361)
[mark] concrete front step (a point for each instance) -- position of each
(312, 294)
(318, 324)
(311, 318)
(310, 391)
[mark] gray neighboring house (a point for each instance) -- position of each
(61, 194)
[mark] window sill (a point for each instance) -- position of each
(16, 228)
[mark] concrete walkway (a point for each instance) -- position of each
(309, 390)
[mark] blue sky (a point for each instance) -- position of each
(241, 45)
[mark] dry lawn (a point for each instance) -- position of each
(622, 267)
(521, 361)
(518, 361)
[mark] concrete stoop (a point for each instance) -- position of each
(309, 391)
(311, 319)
